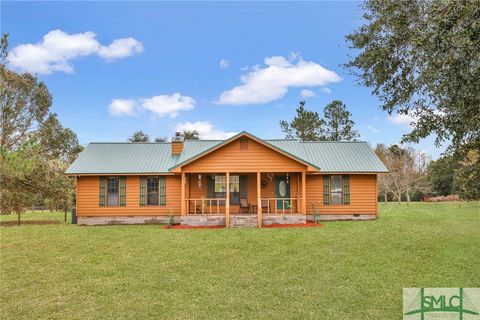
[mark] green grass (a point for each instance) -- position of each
(345, 270)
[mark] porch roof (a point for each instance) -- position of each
(140, 158)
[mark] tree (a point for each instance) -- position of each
(190, 135)
(441, 175)
(422, 58)
(35, 148)
(24, 103)
(467, 176)
(56, 141)
(407, 172)
(3, 48)
(416, 179)
(19, 166)
(306, 126)
(139, 136)
(339, 126)
(161, 139)
(383, 180)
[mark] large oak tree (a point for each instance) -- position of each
(422, 58)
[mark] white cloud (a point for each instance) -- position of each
(162, 105)
(402, 119)
(119, 107)
(224, 64)
(262, 85)
(57, 49)
(120, 48)
(205, 129)
(373, 129)
(410, 119)
(305, 93)
(168, 104)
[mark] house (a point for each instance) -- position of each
(241, 181)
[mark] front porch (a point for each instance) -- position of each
(243, 198)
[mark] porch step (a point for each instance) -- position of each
(243, 221)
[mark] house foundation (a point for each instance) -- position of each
(115, 220)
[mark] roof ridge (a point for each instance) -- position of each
(129, 143)
(333, 141)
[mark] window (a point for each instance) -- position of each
(336, 190)
(220, 188)
(112, 191)
(234, 189)
(152, 191)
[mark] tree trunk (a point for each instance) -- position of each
(385, 197)
(18, 218)
(399, 198)
(408, 197)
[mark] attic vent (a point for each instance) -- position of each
(243, 144)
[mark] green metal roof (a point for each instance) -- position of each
(131, 158)
(332, 156)
(128, 158)
(192, 148)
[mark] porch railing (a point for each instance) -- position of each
(280, 205)
(205, 205)
(217, 205)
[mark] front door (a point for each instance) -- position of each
(282, 191)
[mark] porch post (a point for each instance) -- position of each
(227, 202)
(304, 192)
(259, 201)
(182, 194)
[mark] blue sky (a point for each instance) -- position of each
(220, 67)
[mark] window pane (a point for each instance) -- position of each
(152, 191)
(235, 189)
(336, 183)
(220, 184)
(112, 191)
(234, 184)
(336, 198)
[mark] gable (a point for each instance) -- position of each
(244, 155)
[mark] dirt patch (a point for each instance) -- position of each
(294, 225)
(287, 225)
(14, 223)
(177, 226)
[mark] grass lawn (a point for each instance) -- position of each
(345, 270)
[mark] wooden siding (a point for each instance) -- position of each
(88, 198)
(363, 195)
(257, 157)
